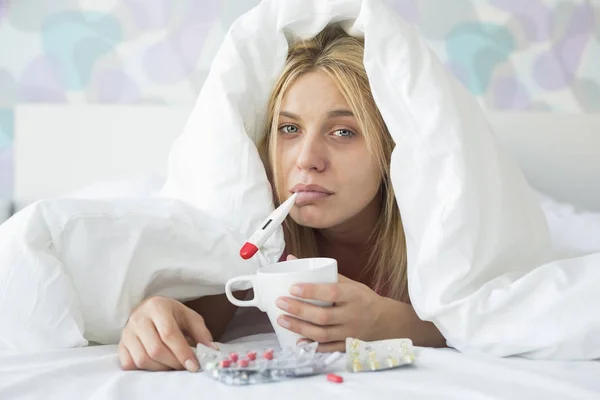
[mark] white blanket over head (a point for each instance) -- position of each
(479, 259)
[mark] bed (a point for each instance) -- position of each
(89, 154)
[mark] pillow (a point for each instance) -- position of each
(574, 231)
(480, 260)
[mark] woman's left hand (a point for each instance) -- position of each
(357, 312)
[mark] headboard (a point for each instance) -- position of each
(559, 154)
(60, 148)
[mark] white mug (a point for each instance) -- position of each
(275, 280)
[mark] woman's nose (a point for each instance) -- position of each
(311, 155)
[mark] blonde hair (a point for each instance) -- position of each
(341, 57)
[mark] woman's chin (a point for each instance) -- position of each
(311, 216)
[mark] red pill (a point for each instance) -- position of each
(335, 378)
(252, 355)
(233, 357)
(268, 354)
(225, 363)
(244, 362)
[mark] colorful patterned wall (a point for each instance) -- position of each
(511, 54)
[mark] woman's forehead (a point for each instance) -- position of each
(314, 92)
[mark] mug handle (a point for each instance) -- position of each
(242, 303)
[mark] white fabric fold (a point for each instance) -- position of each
(73, 270)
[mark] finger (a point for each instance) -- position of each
(140, 356)
(343, 279)
(317, 315)
(155, 347)
(321, 334)
(172, 336)
(331, 347)
(291, 257)
(327, 292)
(127, 363)
(193, 324)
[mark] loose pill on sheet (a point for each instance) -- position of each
(335, 378)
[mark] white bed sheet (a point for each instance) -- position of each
(94, 373)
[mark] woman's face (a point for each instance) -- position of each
(323, 156)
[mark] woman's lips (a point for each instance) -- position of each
(309, 193)
(310, 197)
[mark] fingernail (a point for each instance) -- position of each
(281, 303)
(191, 365)
(283, 322)
(214, 346)
(296, 290)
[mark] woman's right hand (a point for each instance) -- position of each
(155, 336)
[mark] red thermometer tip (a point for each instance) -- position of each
(248, 250)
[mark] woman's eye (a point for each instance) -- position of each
(289, 129)
(343, 133)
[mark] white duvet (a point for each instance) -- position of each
(481, 264)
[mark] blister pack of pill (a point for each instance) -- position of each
(379, 355)
(264, 365)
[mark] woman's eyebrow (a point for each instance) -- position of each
(340, 113)
(289, 115)
(330, 114)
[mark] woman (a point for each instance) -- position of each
(326, 139)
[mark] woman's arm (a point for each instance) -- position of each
(216, 310)
(401, 321)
